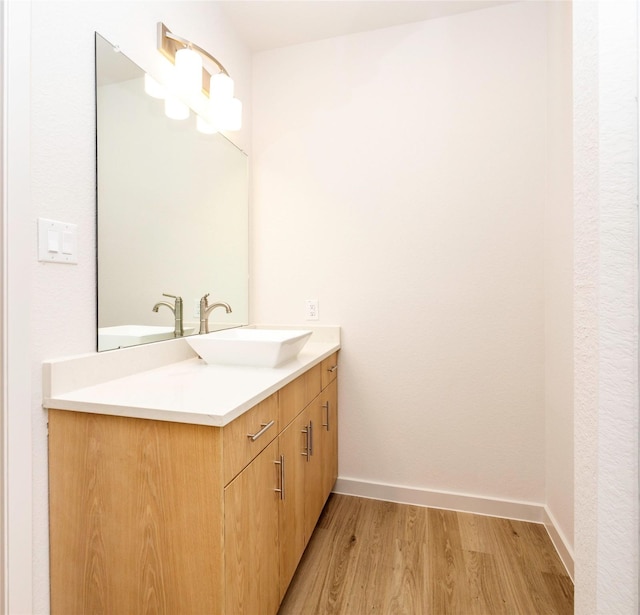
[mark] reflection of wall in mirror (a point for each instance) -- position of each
(172, 212)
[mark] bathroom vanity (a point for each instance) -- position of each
(185, 487)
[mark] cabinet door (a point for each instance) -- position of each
(251, 537)
(314, 493)
(135, 515)
(293, 455)
(329, 437)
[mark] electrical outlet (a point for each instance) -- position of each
(312, 310)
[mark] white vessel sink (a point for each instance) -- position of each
(132, 335)
(251, 347)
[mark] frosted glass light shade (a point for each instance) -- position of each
(152, 87)
(205, 127)
(221, 87)
(188, 71)
(226, 114)
(233, 115)
(175, 109)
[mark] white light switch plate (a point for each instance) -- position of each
(57, 242)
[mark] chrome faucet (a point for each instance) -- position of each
(206, 309)
(176, 308)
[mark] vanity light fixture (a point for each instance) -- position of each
(212, 94)
(205, 127)
(174, 108)
(153, 88)
(188, 73)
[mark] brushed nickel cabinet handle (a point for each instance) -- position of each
(254, 436)
(326, 407)
(310, 437)
(281, 489)
(306, 452)
(282, 476)
(333, 369)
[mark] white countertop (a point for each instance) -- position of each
(146, 383)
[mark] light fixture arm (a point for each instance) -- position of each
(169, 43)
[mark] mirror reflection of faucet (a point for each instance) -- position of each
(206, 309)
(176, 308)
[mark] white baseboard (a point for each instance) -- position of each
(507, 509)
(522, 511)
(559, 541)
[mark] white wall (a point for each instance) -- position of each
(558, 283)
(400, 178)
(606, 312)
(62, 297)
(16, 382)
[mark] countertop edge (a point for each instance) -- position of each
(88, 399)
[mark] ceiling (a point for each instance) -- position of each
(268, 24)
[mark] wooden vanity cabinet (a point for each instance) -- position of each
(252, 567)
(329, 433)
(292, 537)
(315, 496)
(304, 495)
(150, 516)
(328, 436)
(306, 448)
(252, 573)
(136, 516)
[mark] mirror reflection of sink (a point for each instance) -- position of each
(250, 347)
(131, 335)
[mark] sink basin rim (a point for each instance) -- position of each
(250, 347)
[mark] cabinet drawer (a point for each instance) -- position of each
(329, 369)
(245, 437)
(297, 395)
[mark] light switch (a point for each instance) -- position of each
(68, 242)
(57, 242)
(54, 240)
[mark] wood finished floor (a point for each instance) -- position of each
(373, 557)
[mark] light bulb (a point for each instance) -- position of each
(233, 115)
(205, 126)
(152, 87)
(221, 87)
(188, 71)
(175, 109)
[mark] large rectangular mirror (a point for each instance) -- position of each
(172, 213)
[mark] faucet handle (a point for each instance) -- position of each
(204, 301)
(178, 299)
